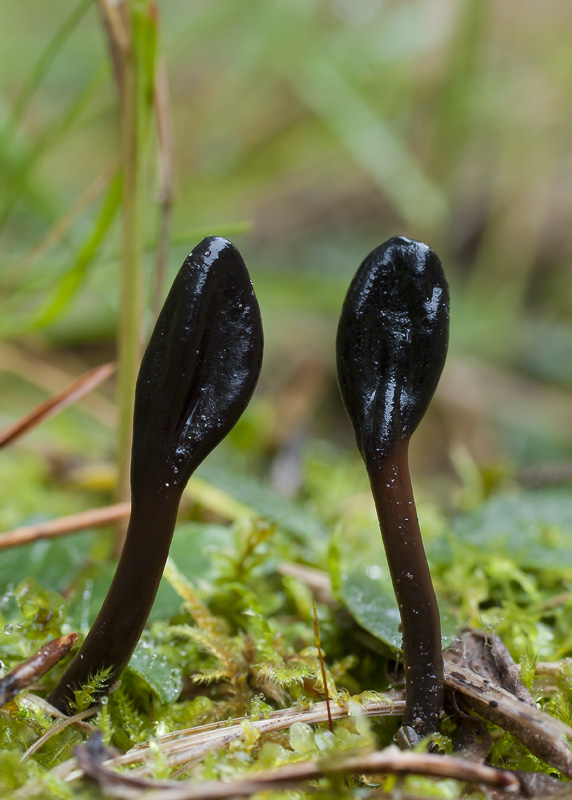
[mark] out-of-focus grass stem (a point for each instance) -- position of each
(131, 30)
(41, 67)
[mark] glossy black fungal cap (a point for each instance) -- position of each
(200, 367)
(392, 343)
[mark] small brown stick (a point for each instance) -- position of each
(199, 491)
(51, 529)
(37, 368)
(389, 761)
(322, 667)
(34, 667)
(53, 405)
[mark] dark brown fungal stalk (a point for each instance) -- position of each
(196, 378)
(391, 348)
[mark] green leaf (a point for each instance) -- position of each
(263, 501)
(534, 529)
(53, 563)
(371, 602)
(165, 680)
(61, 563)
(190, 551)
(362, 583)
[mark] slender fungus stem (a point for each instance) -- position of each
(420, 623)
(196, 378)
(122, 617)
(391, 348)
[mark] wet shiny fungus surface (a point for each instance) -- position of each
(392, 342)
(206, 350)
(196, 378)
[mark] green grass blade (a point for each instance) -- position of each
(370, 141)
(21, 179)
(42, 66)
(68, 287)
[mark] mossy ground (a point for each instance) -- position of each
(234, 634)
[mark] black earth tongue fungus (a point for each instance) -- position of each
(197, 376)
(391, 347)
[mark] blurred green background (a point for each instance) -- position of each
(308, 132)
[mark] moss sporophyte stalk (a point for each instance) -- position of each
(197, 376)
(391, 348)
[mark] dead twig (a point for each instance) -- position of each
(34, 667)
(62, 526)
(480, 668)
(198, 490)
(542, 734)
(390, 761)
(39, 370)
(53, 405)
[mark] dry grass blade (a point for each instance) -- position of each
(115, 18)
(53, 405)
(58, 231)
(390, 761)
(34, 667)
(49, 372)
(317, 580)
(94, 518)
(166, 153)
(192, 744)
(59, 726)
